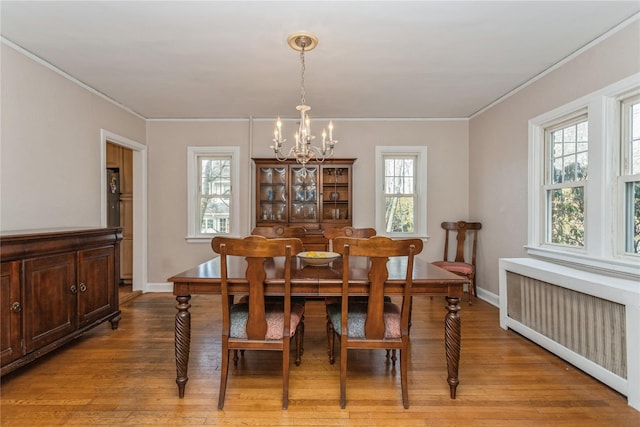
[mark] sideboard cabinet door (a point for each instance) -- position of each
(96, 293)
(49, 299)
(10, 312)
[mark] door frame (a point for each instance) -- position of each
(139, 278)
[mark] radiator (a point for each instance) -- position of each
(590, 320)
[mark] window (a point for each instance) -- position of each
(630, 172)
(212, 207)
(401, 203)
(584, 181)
(567, 160)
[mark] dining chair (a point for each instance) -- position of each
(256, 322)
(464, 263)
(374, 324)
(331, 233)
(277, 232)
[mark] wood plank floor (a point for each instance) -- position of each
(127, 377)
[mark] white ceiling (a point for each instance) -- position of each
(375, 59)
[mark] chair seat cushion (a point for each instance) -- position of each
(274, 313)
(455, 267)
(358, 315)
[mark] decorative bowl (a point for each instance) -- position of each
(318, 258)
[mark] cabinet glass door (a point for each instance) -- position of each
(336, 194)
(304, 194)
(272, 197)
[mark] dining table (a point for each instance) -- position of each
(318, 281)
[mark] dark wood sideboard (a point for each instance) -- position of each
(56, 285)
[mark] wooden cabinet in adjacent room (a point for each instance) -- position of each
(55, 286)
(120, 200)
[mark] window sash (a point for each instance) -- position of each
(630, 173)
(566, 154)
(214, 194)
(399, 193)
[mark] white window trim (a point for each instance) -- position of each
(420, 189)
(623, 177)
(601, 250)
(193, 235)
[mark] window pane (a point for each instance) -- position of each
(635, 139)
(214, 215)
(215, 176)
(567, 216)
(399, 213)
(632, 218)
(569, 153)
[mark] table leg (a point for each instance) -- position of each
(183, 341)
(452, 343)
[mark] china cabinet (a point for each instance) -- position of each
(311, 196)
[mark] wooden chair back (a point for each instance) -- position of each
(461, 229)
(331, 233)
(279, 231)
(256, 250)
(378, 249)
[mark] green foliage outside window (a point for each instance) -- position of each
(398, 215)
(633, 243)
(567, 216)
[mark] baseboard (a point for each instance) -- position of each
(160, 287)
(489, 297)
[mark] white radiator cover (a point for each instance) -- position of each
(590, 320)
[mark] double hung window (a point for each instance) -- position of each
(213, 203)
(401, 201)
(584, 181)
(567, 157)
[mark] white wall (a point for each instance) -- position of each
(50, 171)
(498, 144)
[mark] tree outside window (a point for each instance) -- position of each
(215, 191)
(399, 190)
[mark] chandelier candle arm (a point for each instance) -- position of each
(303, 151)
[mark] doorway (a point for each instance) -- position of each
(120, 210)
(129, 159)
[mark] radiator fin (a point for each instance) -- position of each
(589, 326)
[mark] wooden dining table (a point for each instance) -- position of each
(317, 281)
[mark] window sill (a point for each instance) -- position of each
(624, 267)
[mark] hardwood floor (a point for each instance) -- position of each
(127, 377)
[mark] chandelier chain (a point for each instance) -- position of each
(303, 94)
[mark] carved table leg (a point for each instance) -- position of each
(183, 341)
(452, 343)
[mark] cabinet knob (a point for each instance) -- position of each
(16, 307)
(74, 289)
(83, 287)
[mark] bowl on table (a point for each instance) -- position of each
(318, 258)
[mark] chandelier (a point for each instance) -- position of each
(303, 151)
